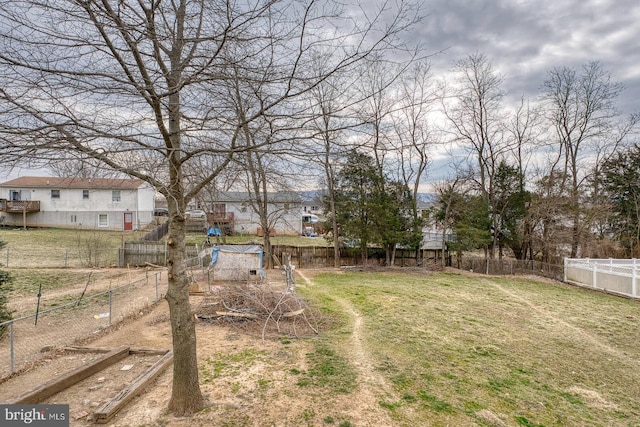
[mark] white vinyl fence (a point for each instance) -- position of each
(620, 276)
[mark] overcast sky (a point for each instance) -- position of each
(524, 39)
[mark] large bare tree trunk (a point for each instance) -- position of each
(186, 397)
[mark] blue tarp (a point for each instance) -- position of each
(214, 255)
(214, 231)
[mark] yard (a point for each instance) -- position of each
(406, 348)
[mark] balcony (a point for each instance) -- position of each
(220, 218)
(19, 206)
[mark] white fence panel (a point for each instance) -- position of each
(619, 276)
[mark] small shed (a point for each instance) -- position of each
(236, 262)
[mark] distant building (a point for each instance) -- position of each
(232, 210)
(312, 202)
(84, 203)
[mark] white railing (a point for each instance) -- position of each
(620, 276)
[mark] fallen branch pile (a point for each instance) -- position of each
(252, 305)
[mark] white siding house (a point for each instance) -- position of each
(233, 210)
(97, 203)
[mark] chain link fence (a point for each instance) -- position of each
(59, 258)
(509, 267)
(58, 324)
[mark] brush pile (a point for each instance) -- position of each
(261, 308)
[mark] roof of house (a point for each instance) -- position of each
(84, 183)
(240, 196)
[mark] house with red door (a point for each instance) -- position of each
(83, 203)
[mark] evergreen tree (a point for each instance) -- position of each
(370, 208)
(468, 216)
(621, 183)
(355, 183)
(511, 202)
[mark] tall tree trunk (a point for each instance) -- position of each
(186, 397)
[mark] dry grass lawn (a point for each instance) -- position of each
(467, 349)
(414, 348)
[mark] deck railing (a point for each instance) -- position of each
(19, 206)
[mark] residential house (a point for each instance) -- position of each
(232, 210)
(312, 202)
(85, 203)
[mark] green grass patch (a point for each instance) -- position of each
(230, 365)
(56, 238)
(27, 281)
(328, 369)
(454, 345)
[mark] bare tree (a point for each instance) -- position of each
(525, 130)
(140, 87)
(477, 121)
(82, 168)
(413, 136)
(581, 108)
(331, 119)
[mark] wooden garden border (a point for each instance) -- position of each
(111, 356)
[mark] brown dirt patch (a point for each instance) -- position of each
(248, 381)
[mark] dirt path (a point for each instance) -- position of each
(372, 386)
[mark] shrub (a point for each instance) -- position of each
(5, 288)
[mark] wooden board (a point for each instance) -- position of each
(64, 381)
(109, 409)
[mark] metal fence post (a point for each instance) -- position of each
(110, 305)
(11, 348)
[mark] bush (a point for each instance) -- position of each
(5, 288)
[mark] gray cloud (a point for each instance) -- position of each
(525, 39)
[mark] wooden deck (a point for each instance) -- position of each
(18, 206)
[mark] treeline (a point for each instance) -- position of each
(542, 179)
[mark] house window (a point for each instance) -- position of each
(74, 218)
(219, 208)
(85, 194)
(55, 194)
(115, 196)
(315, 208)
(103, 220)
